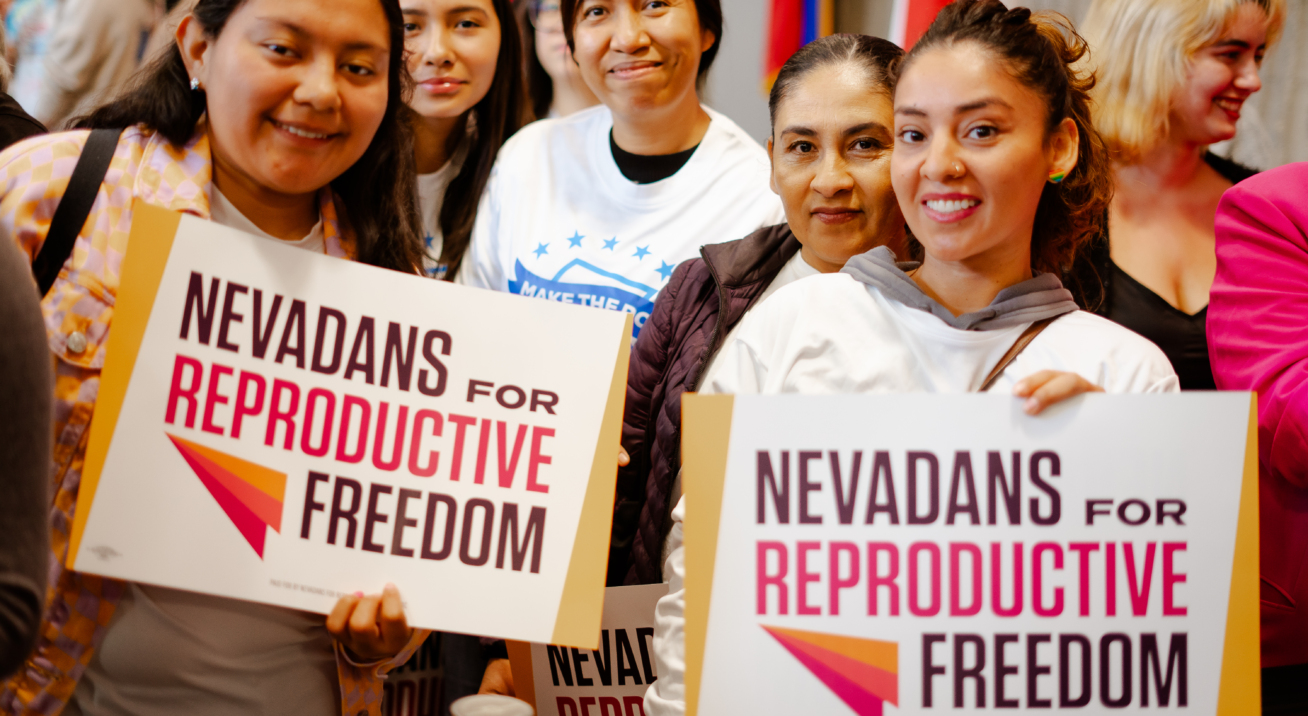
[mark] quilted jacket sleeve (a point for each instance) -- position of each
(649, 363)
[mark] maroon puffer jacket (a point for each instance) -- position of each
(703, 301)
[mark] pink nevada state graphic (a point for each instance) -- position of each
(864, 673)
(250, 494)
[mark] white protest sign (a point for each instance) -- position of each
(923, 553)
(285, 427)
(610, 680)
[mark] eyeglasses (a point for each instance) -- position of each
(545, 13)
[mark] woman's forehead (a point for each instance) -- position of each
(958, 78)
(358, 24)
(834, 95)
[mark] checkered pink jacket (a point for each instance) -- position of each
(33, 177)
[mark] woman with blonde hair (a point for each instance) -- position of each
(1172, 78)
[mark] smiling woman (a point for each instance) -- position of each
(466, 58)
(281, 120)
(599, 207)
(1001, 178)
(1174, 76)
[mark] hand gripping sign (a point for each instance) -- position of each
(922, 553)
(284, 427)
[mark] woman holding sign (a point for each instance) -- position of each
(597, 208)
(466, 60)
(281, 120)
(832, 127)
(1001, 178)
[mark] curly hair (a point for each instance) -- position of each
(1041, 51)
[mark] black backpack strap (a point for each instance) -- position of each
(75, 206)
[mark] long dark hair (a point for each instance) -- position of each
(540, 86)
(496, 117)
(377, 192)
(1040, 50)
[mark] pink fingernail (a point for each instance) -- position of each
(359, 594)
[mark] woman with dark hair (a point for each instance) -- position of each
(832, 130)
(272, 117)
(1001, 179)
(554, 85)
(598, 208)
(465, 57)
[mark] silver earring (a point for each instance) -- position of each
(195, 84)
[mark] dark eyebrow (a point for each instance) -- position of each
(856, 129)
(301, 32)
(911, 111)
(866, 127)
(414, 11)
(982, 104)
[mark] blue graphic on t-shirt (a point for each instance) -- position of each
(620, 293)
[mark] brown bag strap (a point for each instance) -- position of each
(1018, 346)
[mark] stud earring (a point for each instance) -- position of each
(195, 84)
(1057, 177)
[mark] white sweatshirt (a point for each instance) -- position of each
(832, 334)
(559, 221)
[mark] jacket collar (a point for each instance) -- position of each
(743, 270)
(181, 179)
(754, 260)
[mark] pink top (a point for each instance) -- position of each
(1258, 340)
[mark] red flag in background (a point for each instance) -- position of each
(911, 19)
(793, 24)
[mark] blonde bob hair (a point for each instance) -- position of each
(1142, 50)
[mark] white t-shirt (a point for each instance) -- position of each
(170, 652)
(431, 197)
(559, 221)
(832, 334)
(795, 269)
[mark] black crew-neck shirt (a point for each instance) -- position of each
(645, 168)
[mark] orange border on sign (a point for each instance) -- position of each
(1240, 689)
(581, 608)
(524, 679)
(149, 246)
(705, 438)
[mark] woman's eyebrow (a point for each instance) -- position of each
(301, 32)
(981, 104)
(1237, 44)
(414, 11)
(865, 127)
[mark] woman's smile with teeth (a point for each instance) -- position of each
(949, 206)
(1230, 105)
(299, 132)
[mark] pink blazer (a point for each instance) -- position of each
(1258, 340)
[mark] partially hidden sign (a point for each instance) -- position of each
(609, 680)
(284, 427)
(922, 553)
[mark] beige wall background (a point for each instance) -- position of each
(1273, 131)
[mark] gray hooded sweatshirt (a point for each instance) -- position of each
(1037, 298)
